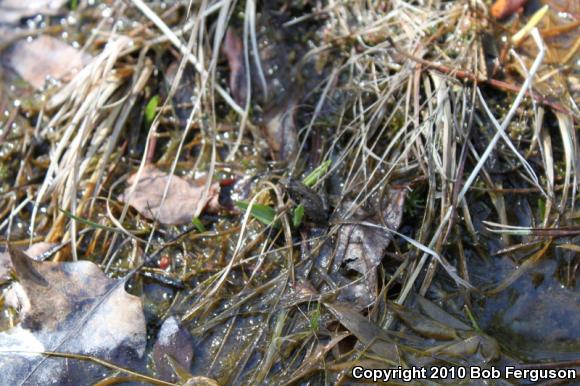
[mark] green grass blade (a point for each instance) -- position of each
(88, 222)
(262, 213)
(315, 175)
(198, 224)
(298, 215)
(151, 109)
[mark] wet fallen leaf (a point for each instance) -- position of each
(42, 58)
(423, 325)
(504, 8)
(475, 348)
(436, 324)
(184, 201)
(71, 308)
(281, 133)
(368, 333)
(361, 248)
(174, 343)
(11, 11)
(35, 251)
(436, 313)
(316, 358)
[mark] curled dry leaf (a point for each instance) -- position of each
(44, 57)
(72, 308)
(361, 248)
(11, 11)
(184, 201)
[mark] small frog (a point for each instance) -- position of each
(315, 206)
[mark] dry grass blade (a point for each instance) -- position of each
(483, 158)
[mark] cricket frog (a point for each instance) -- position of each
(315, 206)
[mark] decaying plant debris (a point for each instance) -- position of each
(274, 192)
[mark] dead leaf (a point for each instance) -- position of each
(281, 134)
(35, 250)
(72, 308)
(368, 333)
(173, 343)
(233, 48)
(423, 325)
(11, 11)
(361, 248)
(474, 348)
(184, 201)
(43, 57)
(316, 358)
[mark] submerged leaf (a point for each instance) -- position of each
(184, 201)
(368, 333)
(423, 325)
(72, 308)
(436, 313)
(174, 343)
(481, 348)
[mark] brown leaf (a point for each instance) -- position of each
(73, 308)
(281, 133)
(183, 202)
(424, 325)
(44, 57)
(175, 342)
(11, 11)
(34, 251)
(361, 248)
(367, 332)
